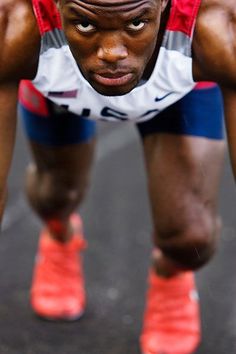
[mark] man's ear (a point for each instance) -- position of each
(163, 5)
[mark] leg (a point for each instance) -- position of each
(62, 147)
(183, 178)
(56, 183)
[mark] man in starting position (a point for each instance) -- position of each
(138, 60)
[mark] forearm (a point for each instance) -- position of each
(8, 104)
(230, 121)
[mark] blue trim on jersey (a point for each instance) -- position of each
(57, 129)
(199, 113)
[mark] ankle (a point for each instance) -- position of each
(59, 230)
(163, 266)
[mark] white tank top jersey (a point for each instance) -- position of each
(59, 78)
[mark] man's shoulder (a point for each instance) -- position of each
(214, 39)
(19, 38)
(216, 15)
(210, 7)
(9, 7)
(6, 4)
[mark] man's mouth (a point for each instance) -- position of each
(113, 79)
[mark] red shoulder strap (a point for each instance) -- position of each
(183, 15)
(47, 15)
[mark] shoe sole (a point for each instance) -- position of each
(60, 319)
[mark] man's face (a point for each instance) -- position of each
(112, 41)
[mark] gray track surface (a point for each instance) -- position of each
(118, 228)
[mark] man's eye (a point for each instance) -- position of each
(85, 27)
(136, 25)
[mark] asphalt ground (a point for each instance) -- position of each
(118, 228)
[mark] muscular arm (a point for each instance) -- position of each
(230, 120)
(19, 43)
(8, 99)
(214, 49)
(214, 43)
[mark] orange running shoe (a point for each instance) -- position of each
(171, 319)
(57, 291)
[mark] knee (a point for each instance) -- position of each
(51, 193)
(192, 243)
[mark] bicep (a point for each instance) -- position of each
(214, 45)
(19, 41)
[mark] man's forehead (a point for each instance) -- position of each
(111, 3)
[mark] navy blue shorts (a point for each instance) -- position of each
(49, 124)
(199, 113)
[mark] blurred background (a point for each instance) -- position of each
(118, 228)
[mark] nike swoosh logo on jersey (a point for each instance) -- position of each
(63, 94)
(158, 99)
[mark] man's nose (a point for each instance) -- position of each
(111, 49)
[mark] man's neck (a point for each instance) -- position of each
(152, 62)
